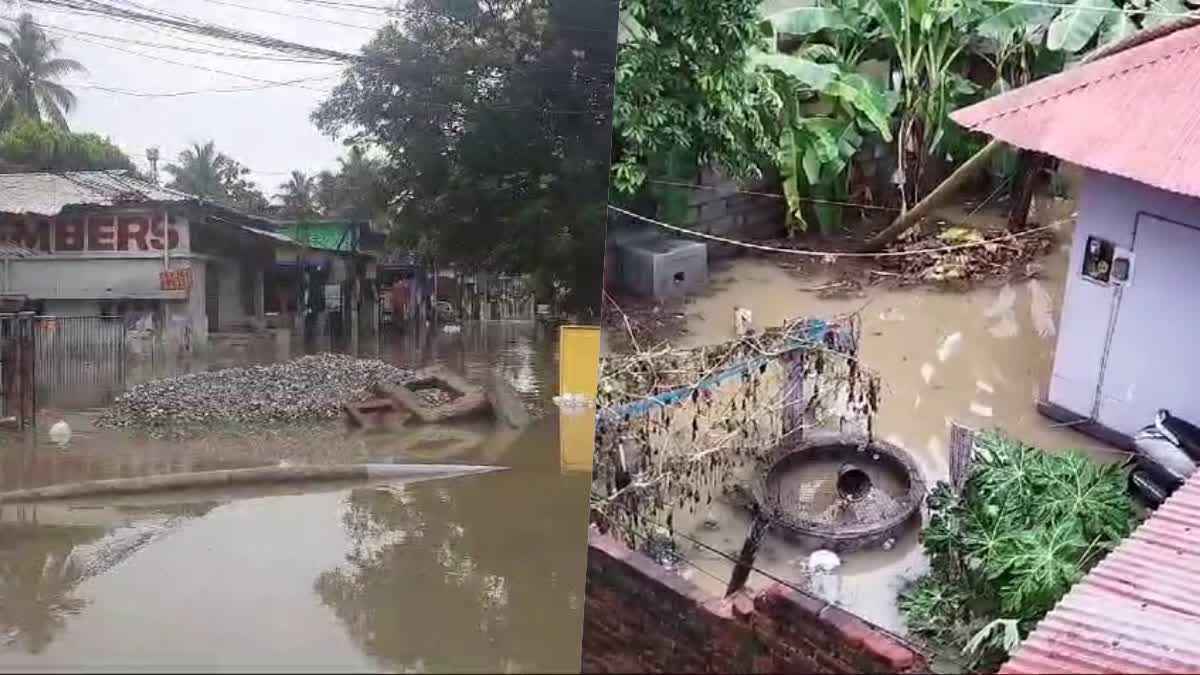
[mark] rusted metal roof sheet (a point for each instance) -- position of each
(1138, 611)
(47, 194)
(1132, 113)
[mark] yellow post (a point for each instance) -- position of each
(578, 360)
(577, 439)
(578, 374)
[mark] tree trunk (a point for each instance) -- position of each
(946, 189)
(1029, 169)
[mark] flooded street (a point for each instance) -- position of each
(978, 357)
(480, 573)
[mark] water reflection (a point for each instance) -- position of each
(38, 578)
(433, 566)
(483, 573)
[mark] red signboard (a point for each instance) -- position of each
(125, 233)
(176, 280)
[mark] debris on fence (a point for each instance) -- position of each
(307, 389)
(677, 428)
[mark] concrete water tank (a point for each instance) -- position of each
(652, 265)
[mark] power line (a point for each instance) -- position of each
(350, 6)
(218, 71)
(297, 83)
(832, 254)
(173, 94)
(807, 200)
(176, 34)
(51, 28)
(292, 16)
(193, 25)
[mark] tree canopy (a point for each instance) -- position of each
(42, 146)
(494, 125)
(203, 171)
(299, 196)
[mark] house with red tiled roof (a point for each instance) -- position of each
(1130, 119)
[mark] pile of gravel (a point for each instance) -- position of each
(304, 390)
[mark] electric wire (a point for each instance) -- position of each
(56, 29)
(289, 15)
(834, 255)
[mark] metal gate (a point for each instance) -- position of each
(17, 391)
(79, 360)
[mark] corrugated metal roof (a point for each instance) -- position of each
(1138, 611)
(47, 194)
(1132, 113)
(273, 236)
(9, 250)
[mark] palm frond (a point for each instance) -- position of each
(55, 68)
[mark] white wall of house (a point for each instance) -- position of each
(1124, 352)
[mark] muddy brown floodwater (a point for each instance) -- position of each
(979, 357)
(481, 573)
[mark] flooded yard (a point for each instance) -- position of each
(480, 573)
(979, 357)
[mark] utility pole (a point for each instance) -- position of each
(152, 157)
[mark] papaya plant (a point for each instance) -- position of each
(1028, 525)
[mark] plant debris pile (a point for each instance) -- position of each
(1028, 525)
(650, 324)
(307, 389)
(930, 263)
(999, 257)
(677, 428)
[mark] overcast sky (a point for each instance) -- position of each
(268, 130)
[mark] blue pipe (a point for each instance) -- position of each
(815, 331)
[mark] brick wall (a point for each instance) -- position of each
(640, 617)
(724, 211)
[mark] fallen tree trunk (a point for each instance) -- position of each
(1030, 165)
(235, 477)
(940, 194)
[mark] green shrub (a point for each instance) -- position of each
(1028, 525)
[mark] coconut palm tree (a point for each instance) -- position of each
(298, 195)
(200, 170)
(29, 70)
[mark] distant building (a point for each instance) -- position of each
(330, 284)
(105, 243)
(1131, 120)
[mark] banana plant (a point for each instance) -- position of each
(1082, 24)
(827, 111)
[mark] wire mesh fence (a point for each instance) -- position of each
(677, 429)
